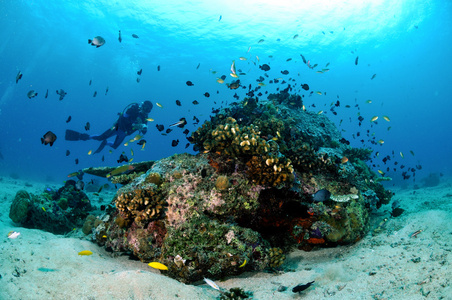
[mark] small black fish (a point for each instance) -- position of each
(285, 72)
(189, 83)
(47, 94)
(174, 143)
(321, 195)
(106, 91)
(223, 77)
(195, 102)
(62, 93)
(31, 94)
(76, 161)
(68, 119)
(178, 103)
(103, 157)
(188, 145)
(186, 131)
(141, 142)
(264, 67)
(302, 57)
(158, 68)
(135, 36)
(68, 152)
(197, 67)
(302, 287)
(305, 87)
(139, 72)
(119, 37)
(48, 138)
(168, 130)
(87, 126)
(18, 77)
(160, 127)
(90, 81)
(138, 79)
(95, 94)
(207, 95)
(356, 60)
(289, 59)
(122, 158)
(373, 76)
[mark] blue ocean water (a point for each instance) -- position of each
(405, 43)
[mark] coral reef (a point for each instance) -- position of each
(247, 199)
(55, 211)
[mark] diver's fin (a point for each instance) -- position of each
(72, 135)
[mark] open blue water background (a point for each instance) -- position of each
(407, 44)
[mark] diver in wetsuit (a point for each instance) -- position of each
(132, 118)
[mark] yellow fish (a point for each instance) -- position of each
(43, 209)
(318, 93)
(104, 236)
(381, 142)
(261, 84)
(142, 147)
(369, 101)
(130, 160)
(219, 80)
(131, 152)
(85, 252)
(242, 58)
(381, 172)
(242, 265)
(374, 119)
(401, 154)
(234, 75)
(150, 119)
(158, 104)
(137, 137)
(320, 112)
(257, 57)
(126, 144)
(386, 118)
(304, 107)
(90, 152)
(73, 174)
(157, 265)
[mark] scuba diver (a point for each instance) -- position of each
(133, 118)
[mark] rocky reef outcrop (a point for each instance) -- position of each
(269, 177)
(57, 211)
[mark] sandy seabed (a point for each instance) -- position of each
(387, 265)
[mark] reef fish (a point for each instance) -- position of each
(62, 93)
(85, 252)
(212, 284)
(13, 234)
(264, 67)
(158, 266)
(18, 76)
(48, 138)
(120, 170)
(302, 287)
(321, 195)
(31, 94)
(97, 41)
(119, 37)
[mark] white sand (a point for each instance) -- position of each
(339, 273)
